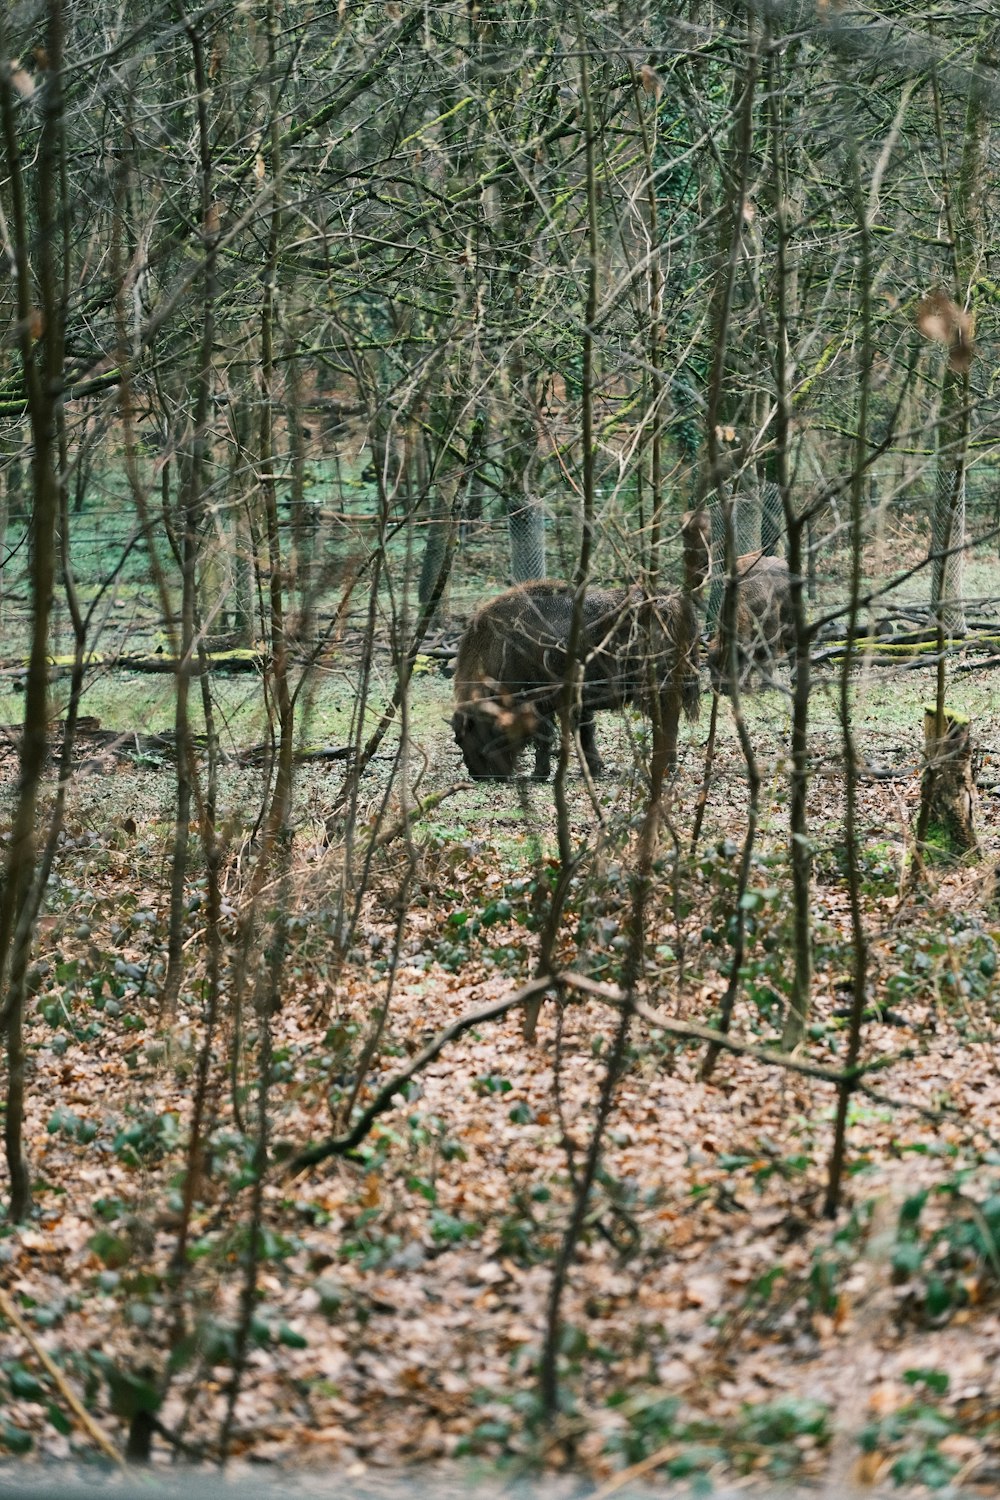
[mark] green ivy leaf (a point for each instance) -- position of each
(15, 1438)
(23, 1384)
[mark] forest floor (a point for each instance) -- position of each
(716, 1325)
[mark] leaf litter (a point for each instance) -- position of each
(714, 1323)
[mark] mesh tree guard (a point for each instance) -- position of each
(772, 517)
(526, 529)
(242, 615)
(747, 529)
(435, 547)
(948, 538)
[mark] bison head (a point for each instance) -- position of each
(491, 733)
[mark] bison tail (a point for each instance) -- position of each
(690, 695)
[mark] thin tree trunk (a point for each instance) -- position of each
(966, 225)
(549, 1362)
(859, 940)
(192, 478)
(720, 316)
(781, 491)
(43, 376)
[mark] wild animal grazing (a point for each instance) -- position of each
(765, 627)
(513, 659)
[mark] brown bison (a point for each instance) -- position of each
(764, 624)
(512, 665)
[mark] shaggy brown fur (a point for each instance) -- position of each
(764, 624)
(513, 659)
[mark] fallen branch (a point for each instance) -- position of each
(238, 659)
(86, 1421)
(770, 1056)
(690, 1031)
(766, 1055)
(636, 1471)
(977, 666)
(258, 754)
(420, 810)
(610, 994)
(342, 1145)
(919, 644)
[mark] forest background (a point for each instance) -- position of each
(358, 1114)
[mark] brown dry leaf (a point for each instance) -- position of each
(885, 1399)
(960, 1445)
(941, 319)
(869, 1469)
(332, 1436)
(703, 1291)
(651, 81)
(822, 1326)
(490, 1273)
(517, 1333)
(21, 81)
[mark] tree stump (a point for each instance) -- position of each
(948, 790)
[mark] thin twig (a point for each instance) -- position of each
(635, 1471)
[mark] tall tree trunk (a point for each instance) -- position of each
(964, 215)
(191, 520)
(39, 311)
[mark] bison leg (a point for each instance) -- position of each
(544, 737)
(588, 744)
(664, 757)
